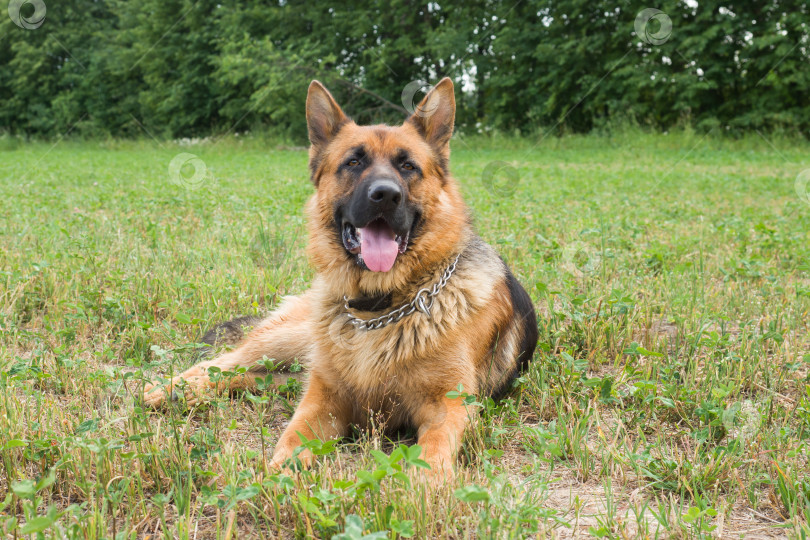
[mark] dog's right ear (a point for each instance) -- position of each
(324, 116)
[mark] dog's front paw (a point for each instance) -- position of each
(192, 392)
(155, 395)
(276, 464)
(281, 461)
(441, 474)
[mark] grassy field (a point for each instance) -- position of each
(669, 396)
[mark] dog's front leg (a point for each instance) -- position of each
(441, 429)
(323, 414)
(284, 336)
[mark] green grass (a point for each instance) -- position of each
(669, 396)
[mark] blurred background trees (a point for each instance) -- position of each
(179, 68)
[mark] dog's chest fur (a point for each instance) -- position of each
(376, 368)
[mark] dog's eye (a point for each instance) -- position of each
(408, 166)
(353, 162)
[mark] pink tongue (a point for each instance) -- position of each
(378, 246)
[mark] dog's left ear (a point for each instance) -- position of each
(324, 115)
(435, 115)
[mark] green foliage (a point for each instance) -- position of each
(681, 387)
(183, 68)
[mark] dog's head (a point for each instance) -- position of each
(385, 204)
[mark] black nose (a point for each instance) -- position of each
(385, 193)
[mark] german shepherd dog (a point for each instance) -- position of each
(408, 302)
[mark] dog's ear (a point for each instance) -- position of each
(324, 116)
(435, 115)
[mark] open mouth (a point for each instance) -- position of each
(376, 245)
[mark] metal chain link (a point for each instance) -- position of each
(419, 302)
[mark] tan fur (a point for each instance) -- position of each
(284, 336)
(403, 372)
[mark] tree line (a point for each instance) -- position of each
(181, 68)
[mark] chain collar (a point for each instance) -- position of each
(423, 301)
